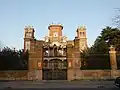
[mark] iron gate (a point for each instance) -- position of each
(55, 70)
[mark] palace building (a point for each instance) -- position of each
(55, 57)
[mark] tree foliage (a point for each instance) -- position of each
(11, 59)
(108, 36)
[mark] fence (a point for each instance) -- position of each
(96, 62)
(118, 60)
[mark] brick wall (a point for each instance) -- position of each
(14, 75)
(95, 74)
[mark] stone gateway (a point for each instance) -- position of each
(55, 57)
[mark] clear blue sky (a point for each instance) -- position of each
(15, 14)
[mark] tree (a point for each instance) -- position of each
(108, 36)
(11, 59)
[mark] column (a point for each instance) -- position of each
(70, 71)
(53, 51)
(58, 54)
(39, 71)
(49, 51)
(113, 62)
(62, 51)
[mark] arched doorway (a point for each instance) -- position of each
(55, 69)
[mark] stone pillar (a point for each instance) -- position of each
(76, 59)
(77, 64)
(53, 51)
(39, 71)
(62, 51)
(70, 71)
(49, 51)
(113, 62)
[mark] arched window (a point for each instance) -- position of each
(80, 33)
(83, 33)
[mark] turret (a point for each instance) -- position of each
(29, 32)
(29, 35)
(81, 32)
(55, 30)
(81, 38)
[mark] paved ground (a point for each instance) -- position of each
(77, 85)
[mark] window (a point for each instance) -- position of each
(83, 33)
(28, 35)
(80, 34)
(27, 45)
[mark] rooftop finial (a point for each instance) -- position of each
(30, 26)
(81, 27)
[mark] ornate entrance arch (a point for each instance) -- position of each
(55, 69)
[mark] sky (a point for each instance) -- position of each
(16, 14)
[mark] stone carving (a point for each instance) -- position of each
(46, 39)
(64, 39)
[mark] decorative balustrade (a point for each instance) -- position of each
(54, 53)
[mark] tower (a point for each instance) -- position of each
(55, 34)
(81, 35)
(28, 36)
(55, 30)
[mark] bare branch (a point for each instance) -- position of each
(116, 19)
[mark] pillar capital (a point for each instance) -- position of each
(112, 48)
